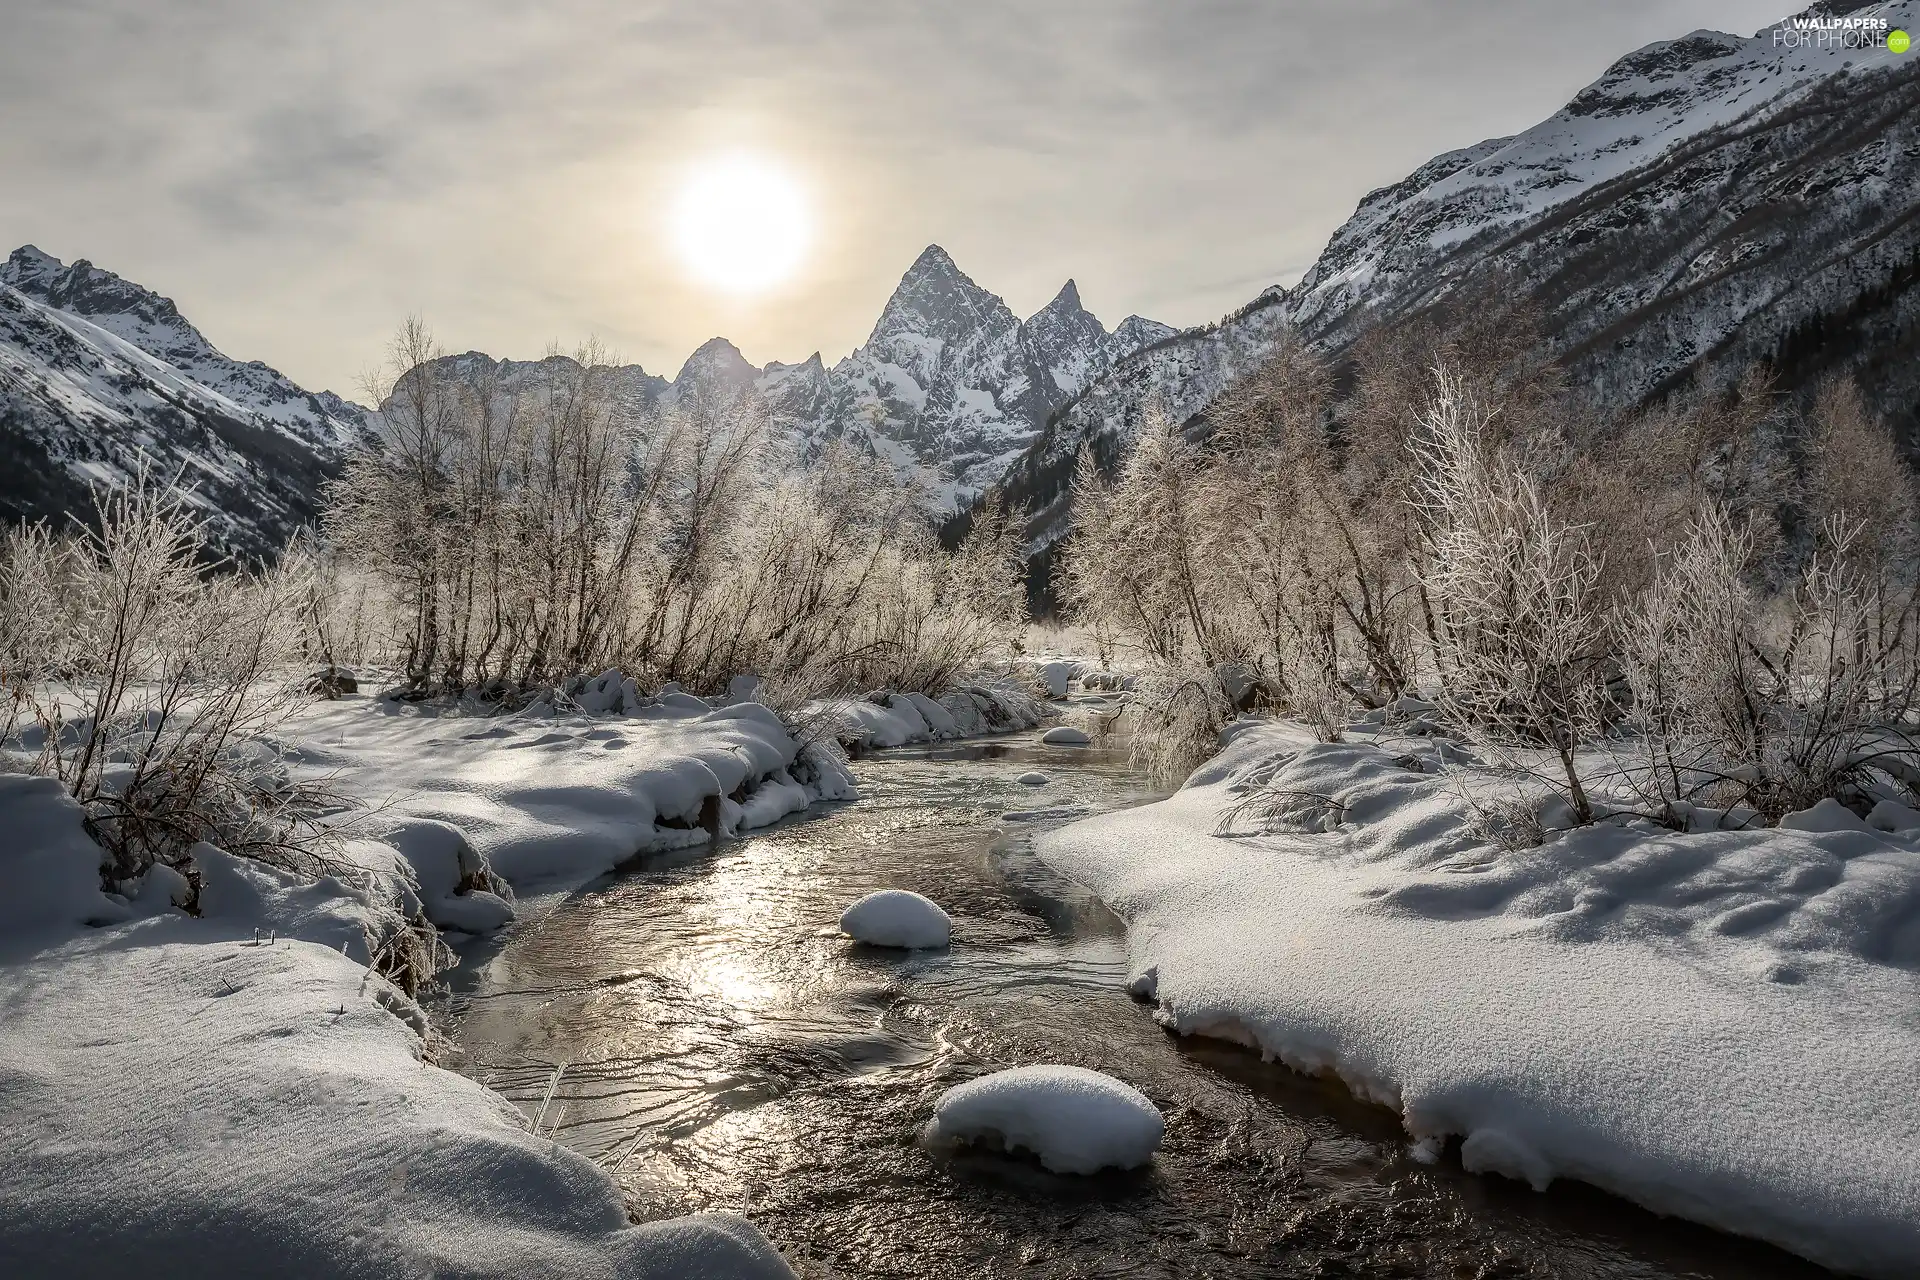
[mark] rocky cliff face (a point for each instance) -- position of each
(98, 376)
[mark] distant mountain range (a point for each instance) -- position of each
(1708, 203)
(950, 384)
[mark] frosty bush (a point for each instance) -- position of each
(530, 529)
(149, 677)
(1520, 631)
(1711, 603)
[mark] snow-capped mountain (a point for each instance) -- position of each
(1709, 203)
(950, 381)
(950, 385)
(97, 373)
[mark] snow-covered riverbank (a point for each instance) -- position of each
(239, 1093)
(1721, 1026)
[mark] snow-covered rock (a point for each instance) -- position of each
(1032, 779)
(897, 918)
(1065, 735)
(1074, 1120)
(1718, 1025)
(456, 886)
(883, 719)
(1057, 674)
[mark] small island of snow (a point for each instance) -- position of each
(897, 918)
(1073, 1119)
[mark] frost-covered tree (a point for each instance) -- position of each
(531, 529)
(1521, 634)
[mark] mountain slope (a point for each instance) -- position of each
(97, 374)
(1708, 203)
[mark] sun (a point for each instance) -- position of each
(741, 223)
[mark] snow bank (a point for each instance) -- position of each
(1718, 1025)
(897, 918)
(897, 719)
(181, 1097)
(557, 797)
(240, 1091)
(1073, 1119)
(49, 865)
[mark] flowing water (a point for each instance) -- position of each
(725, 1048)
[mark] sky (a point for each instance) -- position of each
(299, 176)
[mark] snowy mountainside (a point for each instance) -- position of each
(1708, 203)
(1184, 369)
(97, 372)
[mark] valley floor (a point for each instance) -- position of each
(238, 1093)
(1721, 1026)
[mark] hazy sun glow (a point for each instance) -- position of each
(741, 224)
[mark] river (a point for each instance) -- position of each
(727, 1049)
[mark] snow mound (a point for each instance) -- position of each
(1073, 1119)
(1057, 674)
(1066, 735)
(1032, 779)
(301, 1132)
(897, 918)
(49, 865)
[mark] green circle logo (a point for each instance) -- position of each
(1897, 41)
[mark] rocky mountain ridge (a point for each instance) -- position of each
(99, 376)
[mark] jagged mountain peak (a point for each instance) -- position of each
(937, 301)
(716, 360)
(29, 267)
(934, 261)
(1135, 332)
(1067, 301)
(132, 312)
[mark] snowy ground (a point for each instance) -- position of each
(239, 1094)
(1723, 1026)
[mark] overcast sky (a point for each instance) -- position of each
(299, 176)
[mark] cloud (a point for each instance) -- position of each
(301, 175)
